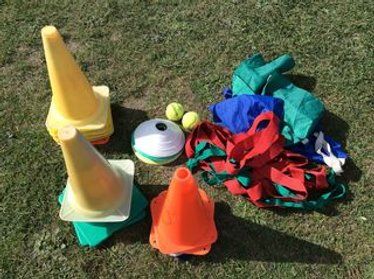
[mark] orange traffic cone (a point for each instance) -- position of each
(74, 101)
(97, 190)
(183, 217)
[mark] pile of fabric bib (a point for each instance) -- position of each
(266, 142)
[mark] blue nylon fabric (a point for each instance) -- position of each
(238, 113)
(308, 149)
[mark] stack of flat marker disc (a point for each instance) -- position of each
(158, 141)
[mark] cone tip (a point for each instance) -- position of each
(50, 32)
(182, 173)
(67, 133)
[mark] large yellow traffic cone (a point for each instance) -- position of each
(74, 101)
(96, 191)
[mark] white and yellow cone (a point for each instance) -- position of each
(96, 190)
(74, 101)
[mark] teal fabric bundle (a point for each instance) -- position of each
(252, 74)
(302, 110)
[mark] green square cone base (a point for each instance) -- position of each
(93, 234)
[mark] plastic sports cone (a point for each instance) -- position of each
(97, 190)
(183, 217)
(74, 101)
(93, 234)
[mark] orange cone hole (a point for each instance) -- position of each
(182, 173)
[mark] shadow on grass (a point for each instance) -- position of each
(302, 81)
(181, 160)
(335, 127)
(240, 239)
(125, 120)
(152, 191)
(138, 232)
(338, 129)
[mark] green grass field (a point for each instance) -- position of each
(151, 53)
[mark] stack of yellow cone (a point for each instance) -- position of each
(74, 101)
(100, 197)
(96, 191)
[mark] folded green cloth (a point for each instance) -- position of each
(251, 75)
(302, 110)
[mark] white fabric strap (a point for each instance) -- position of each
(330, 159)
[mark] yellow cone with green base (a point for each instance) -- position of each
(96, 190)
(74, 101)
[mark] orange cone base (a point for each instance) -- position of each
(200, 251)
(100, 142)
(163, 244)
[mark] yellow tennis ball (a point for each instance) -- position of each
(190, 120)
(174, 111)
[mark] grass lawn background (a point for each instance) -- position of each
(150, 53)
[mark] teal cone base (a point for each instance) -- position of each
(93, 234)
